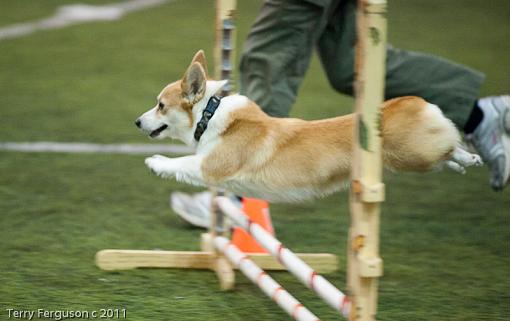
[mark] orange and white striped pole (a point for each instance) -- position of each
(266, 283)
(309, 277)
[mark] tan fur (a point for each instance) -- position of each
(297, 153)
(414, 138)
(171, 97)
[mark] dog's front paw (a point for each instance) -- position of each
(156, 164)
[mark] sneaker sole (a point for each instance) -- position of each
(505, 124)
(506, 120)
(506, 145)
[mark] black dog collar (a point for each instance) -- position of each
(207, 114)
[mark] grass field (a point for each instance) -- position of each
(444, 237)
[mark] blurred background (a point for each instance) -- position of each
(444, 237)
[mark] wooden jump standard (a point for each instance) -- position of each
(364, 265)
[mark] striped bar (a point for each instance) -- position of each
(266, 283)
(331, 295)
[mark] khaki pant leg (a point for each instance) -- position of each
(277, 52)
(451, 86)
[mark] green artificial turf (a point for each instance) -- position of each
(444, 237)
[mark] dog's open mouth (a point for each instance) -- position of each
(158, 131)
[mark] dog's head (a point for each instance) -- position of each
(174, 115)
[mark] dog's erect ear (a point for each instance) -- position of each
(193, 83)
(200, 58)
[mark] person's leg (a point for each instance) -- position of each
(453, 87)
(277, 52)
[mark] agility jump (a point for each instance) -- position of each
(367, 191)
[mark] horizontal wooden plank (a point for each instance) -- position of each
(131, 259)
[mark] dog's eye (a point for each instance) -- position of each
(161, 105)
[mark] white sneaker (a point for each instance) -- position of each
(196, 208)
(491, 138)
(193, 208)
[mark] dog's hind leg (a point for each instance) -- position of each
(461, 159)
(185, 169)
(465, 158)
(455, 167)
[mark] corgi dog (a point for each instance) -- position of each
(242, 149)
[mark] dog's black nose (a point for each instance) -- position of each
(138, 123)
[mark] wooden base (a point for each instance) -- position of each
(132, 259)
(205, 259)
